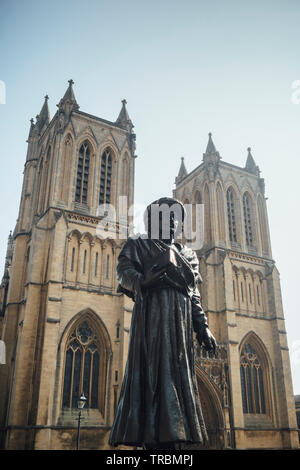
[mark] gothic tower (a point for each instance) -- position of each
(62, 320)
(247, 389)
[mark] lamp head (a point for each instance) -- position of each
(81, 401)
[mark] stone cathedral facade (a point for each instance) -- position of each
(247, 389)
(65, 326)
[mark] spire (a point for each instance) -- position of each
(69, 98)
(43, 118)
(182, 171)
(250, 163)
(8, 257)
(32, 126)
(123, 118)
(211, 159)
(210, 145)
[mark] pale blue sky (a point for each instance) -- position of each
(185, 68)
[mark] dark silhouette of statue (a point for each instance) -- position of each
(159, 403)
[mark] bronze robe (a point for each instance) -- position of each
(159, 400)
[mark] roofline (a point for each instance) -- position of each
(105, 121)
(221, 162)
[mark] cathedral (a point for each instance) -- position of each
(66, 328)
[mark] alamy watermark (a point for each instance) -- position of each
(163, 221)
(295, 97)
(2, 92)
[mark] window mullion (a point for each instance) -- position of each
(246, 388)
(258, 389)
(91, 380)
(82, 371)
(72, 377)
(82, 176)
(105, 180)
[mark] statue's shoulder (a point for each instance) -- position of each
(136, 242)
(185, 251)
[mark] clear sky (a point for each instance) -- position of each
(186, 69)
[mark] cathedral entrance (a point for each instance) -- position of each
(212, 414)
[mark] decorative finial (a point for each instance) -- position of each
(182, 158)
(249, 149)
(31, 120)
(124, 101)
(46, 97)
(209, 134)
(71, 82)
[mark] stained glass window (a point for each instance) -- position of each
(252, 382)
(82, 367)
(231, 215)
(105, 177)
(83, 173)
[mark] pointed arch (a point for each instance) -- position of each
(83, 172)
(248, 212)
(212, 408)
(196, 200)
(106, 170)
(125, 175)
(231, 201)
(256, 377)
(96, 257)
(72, 255)
(86, 348)
(66, 163)
(108, 263)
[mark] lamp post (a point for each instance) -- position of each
(80, 405)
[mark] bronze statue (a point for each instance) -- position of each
(159, 403)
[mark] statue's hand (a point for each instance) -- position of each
(152, 276)
(207, 339)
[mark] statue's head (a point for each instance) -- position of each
(164, 218)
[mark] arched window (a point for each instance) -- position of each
(82, 367)
(105, 177)
(83, 173)
(248, 219)
(252, 381)
(220, 212)
(231, 215)
(65, 168)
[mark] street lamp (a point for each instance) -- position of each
(80, 405)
